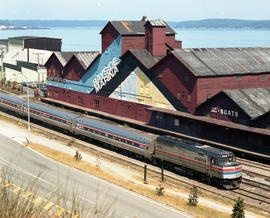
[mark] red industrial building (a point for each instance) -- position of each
(194, 75)
(244, 106)
(142, 66)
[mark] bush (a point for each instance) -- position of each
(160, 190)
(193, 196)
(238, 209)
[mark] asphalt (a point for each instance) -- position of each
(29, 165)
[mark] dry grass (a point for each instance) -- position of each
(170, 200)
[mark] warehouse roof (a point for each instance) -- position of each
(145, 57)
(32, 37)
(63, 57)
(158, 22)
(136, 27)
(255, 102)
(85, 58)
(225, 61)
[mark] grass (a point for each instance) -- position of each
(168, 199)
(25, 199)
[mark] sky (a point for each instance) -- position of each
(169, 10)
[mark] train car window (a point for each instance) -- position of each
(213, 161)
(200, 153)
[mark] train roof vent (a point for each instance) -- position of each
(202, 146)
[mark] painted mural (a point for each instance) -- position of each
(98, 73)
(138, 88)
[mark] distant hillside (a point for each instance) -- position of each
(225, 23)
(4, 23)
(55, 23)
(207, 23)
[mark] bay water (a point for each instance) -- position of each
(89, 39)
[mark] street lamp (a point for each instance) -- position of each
(2, 66)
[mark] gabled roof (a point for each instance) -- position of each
(63, 57)
(225, 61)
(145, 57)
(134, 27)
(85, 58)
(255, 102)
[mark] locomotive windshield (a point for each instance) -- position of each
(226, 159)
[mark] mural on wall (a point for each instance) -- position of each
(138, 88)
(106, 75)
(102, 70)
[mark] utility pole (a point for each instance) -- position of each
(2, 66)
(38, 87)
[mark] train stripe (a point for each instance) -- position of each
(226, 171)
(114, 137)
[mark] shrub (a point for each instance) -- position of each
(193, 196)
(160, 190)
(238, 209)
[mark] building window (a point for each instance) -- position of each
(159, 116)
(80, 100)
(176, 122)
(183, 94)
(56, 94)
(124, 109)
(70, 75)
(238, 77)
(189, 98)
(178, 95)
(186, 78)
(263, 78)
(96, 103)
(160, 75)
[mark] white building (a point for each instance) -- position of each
(26, 65)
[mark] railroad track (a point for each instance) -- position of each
(173, 179)
(253, 164)
(256, 184)
(256, 198)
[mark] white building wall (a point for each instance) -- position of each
(15, 47)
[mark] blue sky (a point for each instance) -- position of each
(170, 10)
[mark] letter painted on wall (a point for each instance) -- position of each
(226, 112)
(106, 75)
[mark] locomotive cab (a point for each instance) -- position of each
(231, 171)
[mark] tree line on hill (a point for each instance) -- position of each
(206, 23)
(225, 23)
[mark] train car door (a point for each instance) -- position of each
(208, 166)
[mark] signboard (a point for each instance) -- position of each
(225, 112)
(106, 75)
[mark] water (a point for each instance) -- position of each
(89, 39)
